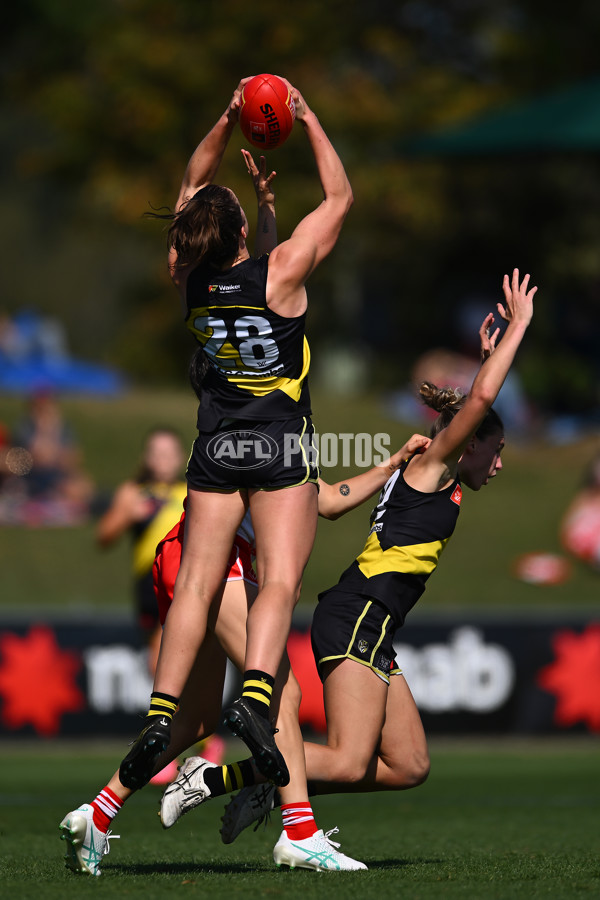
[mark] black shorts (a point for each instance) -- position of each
(349, 626)
(263, 455)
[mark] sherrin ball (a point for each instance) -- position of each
(267, 111)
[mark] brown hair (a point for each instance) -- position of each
(447, 402)
(197, 370)
(207, 228)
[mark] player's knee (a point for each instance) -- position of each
(351, 770)
(419, 769)
(411, 771)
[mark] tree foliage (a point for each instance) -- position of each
(104, 102)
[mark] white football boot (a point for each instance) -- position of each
(317, 852)
(187, 792)
(86, 844)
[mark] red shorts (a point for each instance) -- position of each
(168, 559)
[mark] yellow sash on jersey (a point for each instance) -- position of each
(414, 559)
(261, 386)
(166, 517)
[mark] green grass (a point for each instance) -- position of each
(495, 820)
(62, 569)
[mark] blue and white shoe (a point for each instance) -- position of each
(86, 844)
(317, 852)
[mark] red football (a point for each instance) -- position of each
(267, 111)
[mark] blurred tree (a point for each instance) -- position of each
(104, 102)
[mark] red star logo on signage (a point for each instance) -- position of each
(574, 677)
(301, 657)
(37, 681)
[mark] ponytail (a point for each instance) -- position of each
(447, 402)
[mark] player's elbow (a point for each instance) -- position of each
(348, 198)
(482, 397)
(329, 512)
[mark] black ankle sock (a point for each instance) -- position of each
(224, 779)
(162, 705)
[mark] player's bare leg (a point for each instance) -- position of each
(210, 526)
(284, 523)
(355, 703)
(400, 759)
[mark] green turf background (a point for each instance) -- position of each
(495, 820)
(519, 512)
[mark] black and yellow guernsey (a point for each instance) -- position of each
(409, 530)
(258, 360)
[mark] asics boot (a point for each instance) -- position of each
(317, 852)
(251, 804)
(86, 844)
(187, 792)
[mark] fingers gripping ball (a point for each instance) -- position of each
(267, 111)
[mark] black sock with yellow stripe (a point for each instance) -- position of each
(224, 779)
(162, 705)
(258, 690)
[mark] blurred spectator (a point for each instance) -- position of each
(146, 507)
(45, 483)
(580, 527)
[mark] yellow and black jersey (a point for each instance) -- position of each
(166, 506)
(409, 530)
(258, 360)
(165, 511)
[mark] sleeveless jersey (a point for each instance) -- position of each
(258, 360)
(409, 530)
(167, 501)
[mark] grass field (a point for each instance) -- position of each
(61, 569)
(494, 820)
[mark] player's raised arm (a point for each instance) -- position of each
(206, 158)
(337, 499)
(266, 223)
(439, 462)
(315, 236)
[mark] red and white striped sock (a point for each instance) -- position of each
(298, 820)
(106, 806)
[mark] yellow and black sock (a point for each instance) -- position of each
(162, 705)
(258, 690)
(224, 779)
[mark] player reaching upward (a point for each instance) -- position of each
(86, 830)
(248, 314)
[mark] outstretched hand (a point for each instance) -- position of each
(260, 179)
(488, 340)
(233, 110)
(299, 101)
(418, 443)
(519, 300)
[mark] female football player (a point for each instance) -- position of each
(375, 739)
(248, 315)
(86, 830)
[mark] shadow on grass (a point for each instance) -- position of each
(400, 863)
(186, 868)
(215, 868)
